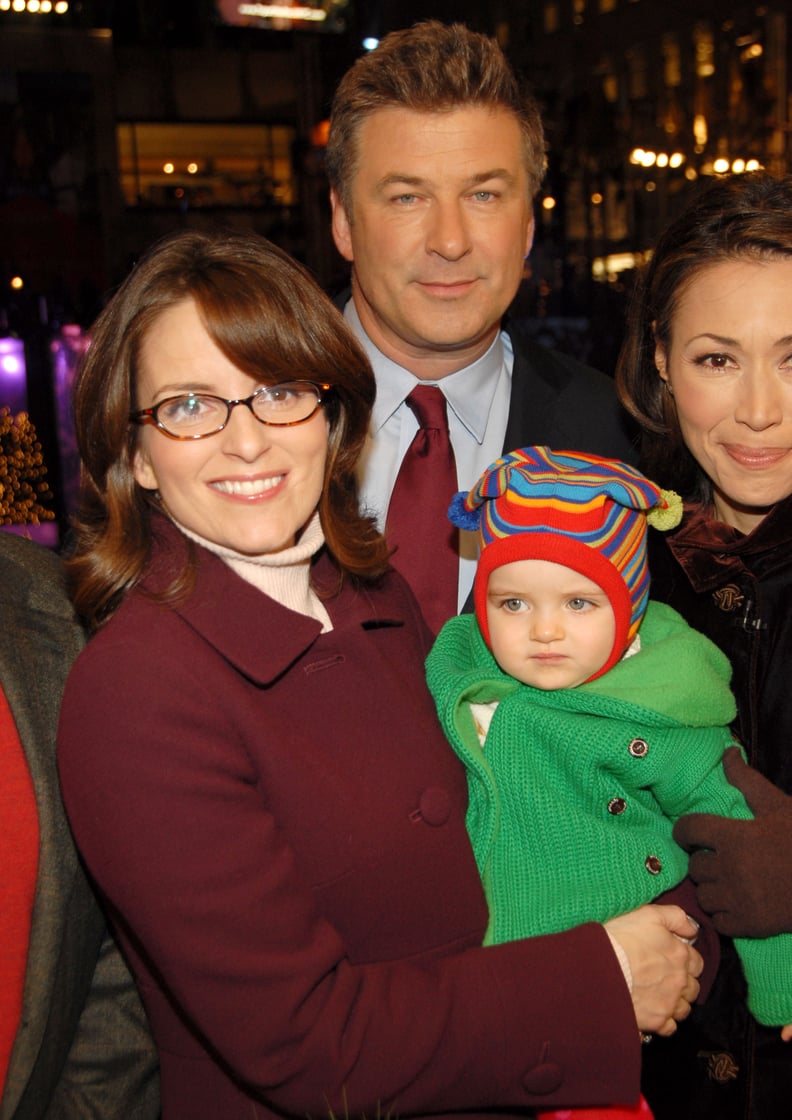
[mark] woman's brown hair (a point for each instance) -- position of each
(736, 216)
(267, 316)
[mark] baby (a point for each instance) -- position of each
(587, 716)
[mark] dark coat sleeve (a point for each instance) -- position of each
(83, 1047)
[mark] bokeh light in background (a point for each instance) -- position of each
(13, 378)
(66, 349)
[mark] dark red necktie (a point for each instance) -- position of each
(426, 542)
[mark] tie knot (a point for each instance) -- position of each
(429, 405)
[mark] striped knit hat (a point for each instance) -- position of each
(582, 511)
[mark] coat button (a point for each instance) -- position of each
(617, 805)
(638, 748)
(543, 1078)
(435, 805)
(721, 1067)
(653, 865)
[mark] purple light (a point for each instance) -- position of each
(13, 378)
(67, 349)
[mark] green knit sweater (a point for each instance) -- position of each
(573, 798)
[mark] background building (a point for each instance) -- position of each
(124, 120)
(642, 99)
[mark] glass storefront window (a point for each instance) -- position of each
(206, 165)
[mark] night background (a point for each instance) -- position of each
(123, 121)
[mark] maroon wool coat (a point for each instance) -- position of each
(278, 826)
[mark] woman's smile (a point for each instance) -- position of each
(756, 458)
(247, 487)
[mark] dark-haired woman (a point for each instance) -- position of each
(707, 371)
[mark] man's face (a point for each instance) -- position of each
(441, 223)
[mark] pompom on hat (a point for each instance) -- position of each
(583, 511)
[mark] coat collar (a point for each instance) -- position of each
(710, 551)
(254, 633)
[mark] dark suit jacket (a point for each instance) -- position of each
(558, 402)
(83, 1048)
(279, 825)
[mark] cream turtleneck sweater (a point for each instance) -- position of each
(285, 576)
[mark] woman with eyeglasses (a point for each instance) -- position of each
(250, 758)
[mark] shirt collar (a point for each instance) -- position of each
(470, 392)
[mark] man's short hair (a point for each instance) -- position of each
(430, 67)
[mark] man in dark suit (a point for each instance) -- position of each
(73, 1038)
(435, 156)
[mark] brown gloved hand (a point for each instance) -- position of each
(743, 869)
